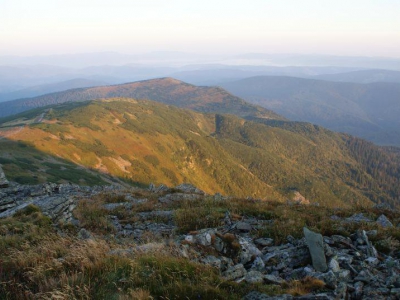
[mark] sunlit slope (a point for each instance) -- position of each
(144, 142)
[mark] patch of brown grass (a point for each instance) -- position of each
(304, 286)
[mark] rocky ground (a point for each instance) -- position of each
(339, 266)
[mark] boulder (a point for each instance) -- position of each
(315, 244)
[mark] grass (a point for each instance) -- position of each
(40, 261)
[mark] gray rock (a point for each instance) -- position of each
(341, 290)
(226, 263)
(83, 234)
(243, 226)
(161, 188)
(329, 278)
(234, 273)
(249, 251)
(334, 265)
(212, 261)
(372, 261)
(264, 242)
(287, 256)
(204, 237)
(315, 244)
(358, 290)
(254, 276)
(189, 189)
(258, 264)
(3, 180)
(384, 221)
(395, 292)
(358, 218)
(344, 275)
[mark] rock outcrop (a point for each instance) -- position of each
(56, 201)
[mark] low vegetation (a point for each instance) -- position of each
(42, 261)
(142, 142)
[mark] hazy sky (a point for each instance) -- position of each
(340, 27)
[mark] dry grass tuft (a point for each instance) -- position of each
(304, 286)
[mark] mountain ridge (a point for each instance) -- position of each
(166, 90)
(145, 141)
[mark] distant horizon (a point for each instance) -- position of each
(316, 54)
(360, 28)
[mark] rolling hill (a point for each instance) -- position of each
(142, 141)
(369, 111)
(166, 90)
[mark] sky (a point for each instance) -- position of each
(334, 27)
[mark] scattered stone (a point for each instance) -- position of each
(212, 261)
(315, 244)
(254, 277)
(249, 251)
(189, 189)
(372, 261)
(235, 272)
(334, 265)
(358, 290)
(258, 264)
(264, 242)
(204, 237)
(384, 221)
(243, 226)
(341, 291)
(358, 218)
(350, 267)
(329, 278)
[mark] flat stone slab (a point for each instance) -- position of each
(315, 244)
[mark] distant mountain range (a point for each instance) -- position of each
(165, 90)
(178, 59)
(363, 76)
(25, 81)
(50, 88)
(370, 111)
(143, 141)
